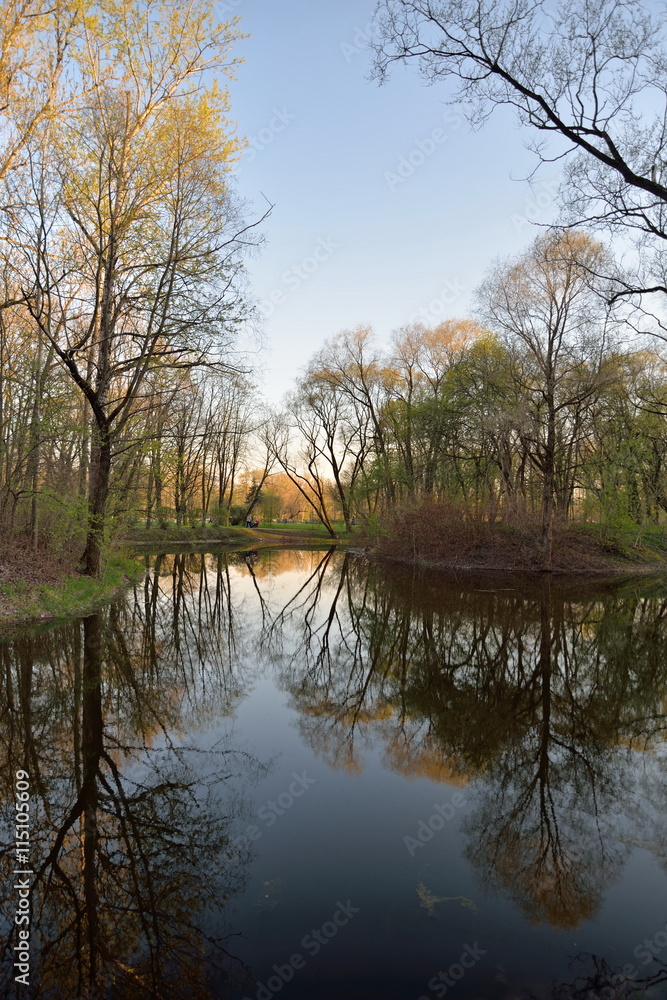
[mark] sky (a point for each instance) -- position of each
(387, 207)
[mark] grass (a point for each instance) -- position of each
(311, 530)
(630, 542)
(23, 601)
(185, 533)
(42, 587)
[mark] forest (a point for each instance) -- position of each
(127, 397)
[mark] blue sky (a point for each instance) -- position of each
(388, 208)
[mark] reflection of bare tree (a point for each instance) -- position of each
(540, 700)
(303, 604)
(542, 802)
(542, 696)
(598, 979)
(184, 624)
(553, 818)
(249, 558)
(322, 616)
(133, 858)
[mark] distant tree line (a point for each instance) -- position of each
(542, 410)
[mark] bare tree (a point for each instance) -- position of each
(589, 77)
(546, 307)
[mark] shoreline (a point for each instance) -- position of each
(72, 595)
(612, 569)
(641, 577)
(24, 604)
(585, 550)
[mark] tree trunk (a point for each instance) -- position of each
(97, 502)
(35, 448)
(149, 496)
(548, 473)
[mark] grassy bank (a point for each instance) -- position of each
(34, 588)
(279, 534)
(184, 534)
(38, 591)
(286, 534)
(442, 536)
(41, 588)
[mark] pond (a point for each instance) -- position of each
(308, 775)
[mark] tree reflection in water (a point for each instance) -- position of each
(547, 700)
(130, 841)
(598, 981)
(541, 697)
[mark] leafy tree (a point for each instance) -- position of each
(36, 37)
(546, 307)
(131, 240)
(254, 494)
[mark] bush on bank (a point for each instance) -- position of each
(445, 534)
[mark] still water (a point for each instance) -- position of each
(301, 774)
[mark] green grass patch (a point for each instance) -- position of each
(633, 543)
(184, 533)
(71, 597)
(302, 530)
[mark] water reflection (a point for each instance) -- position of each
(130, 826)
(545, 700)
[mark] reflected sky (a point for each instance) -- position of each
(306, 774)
